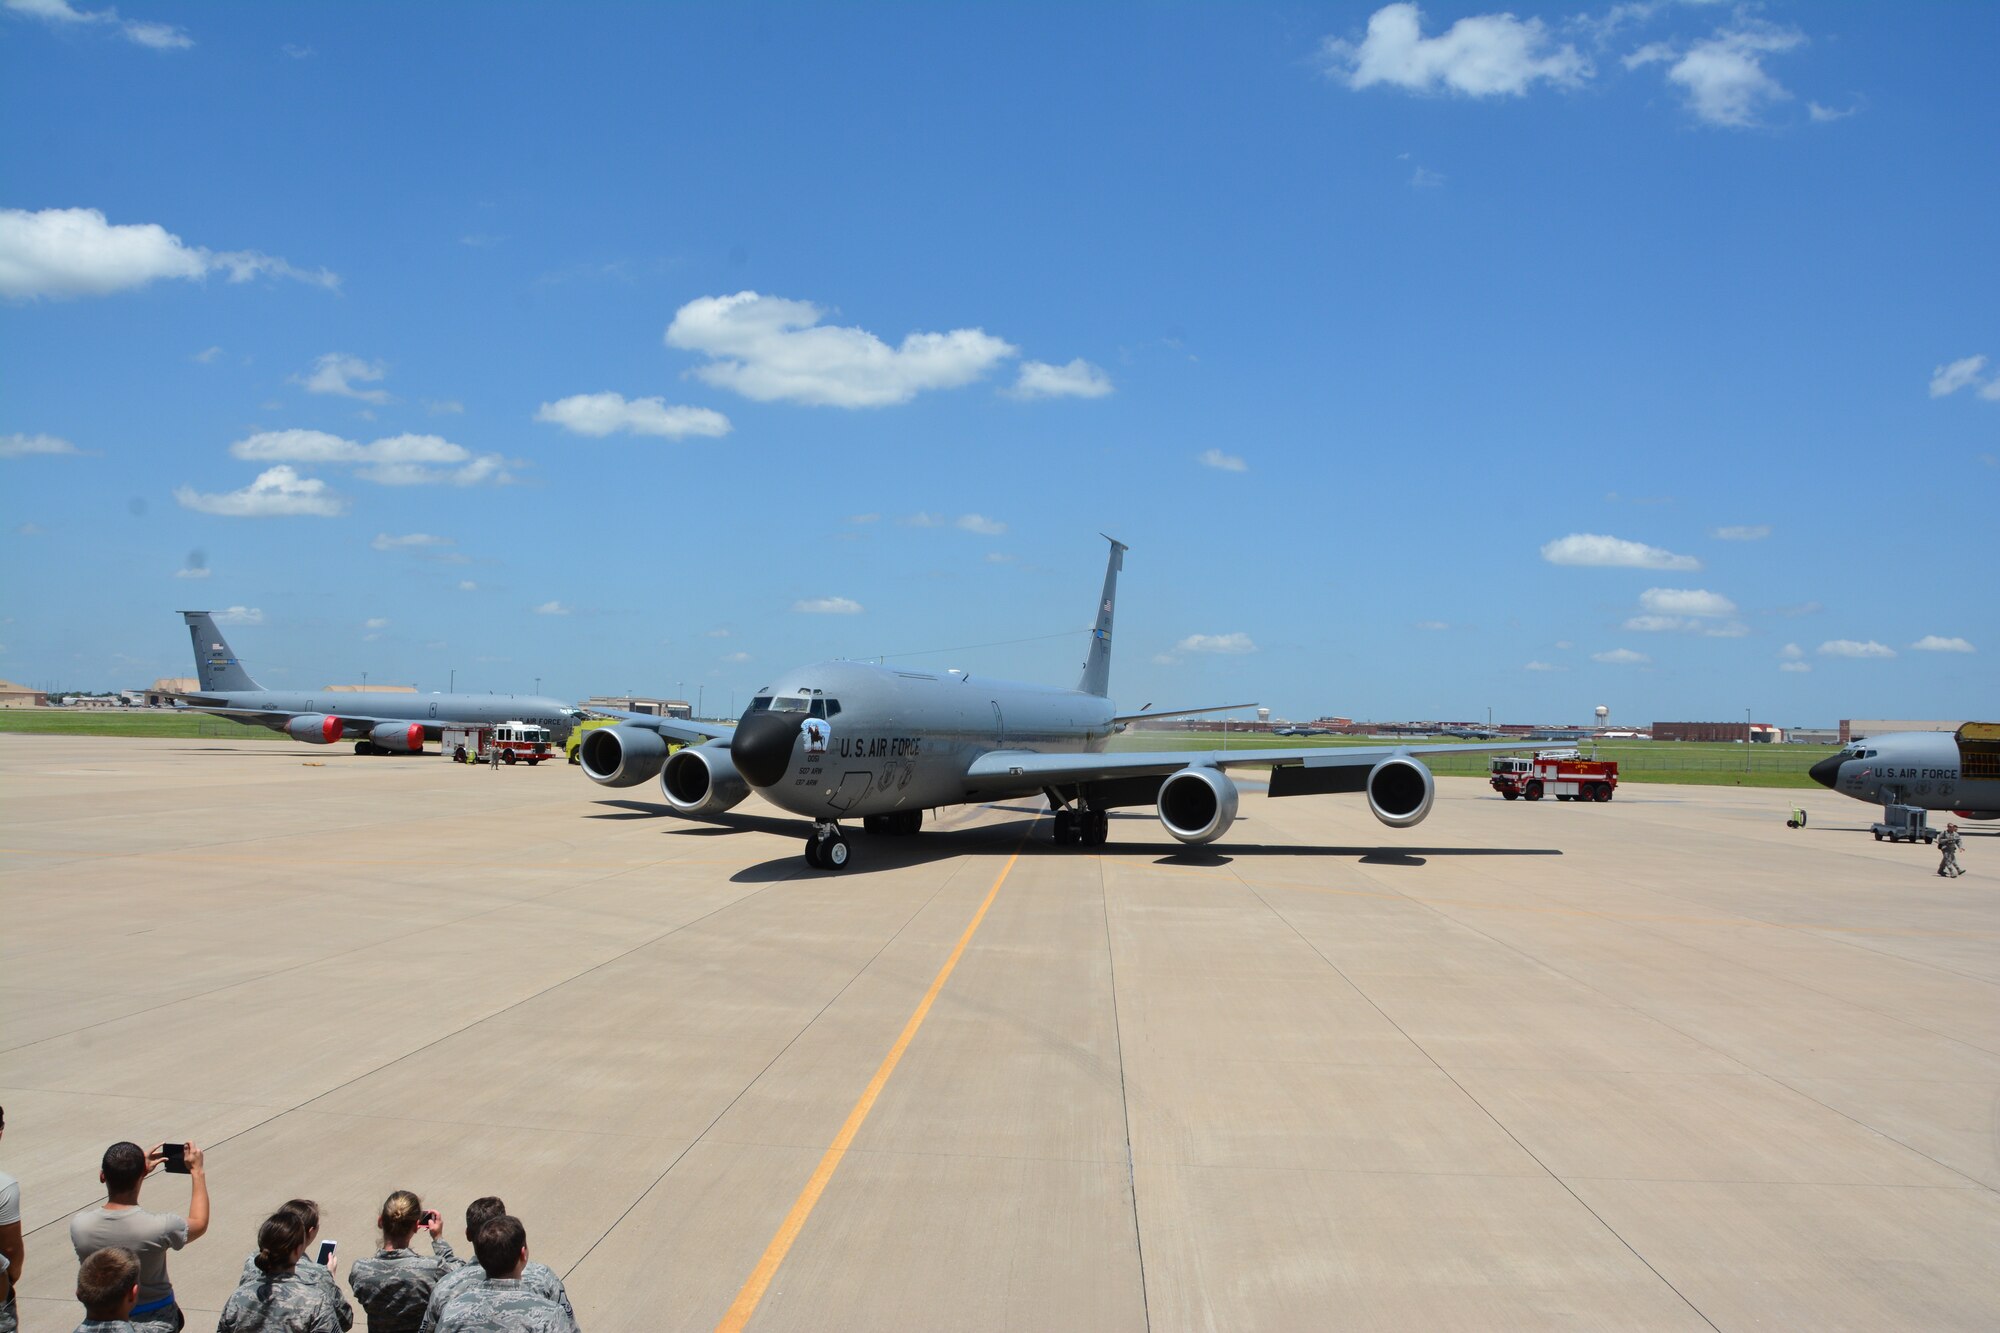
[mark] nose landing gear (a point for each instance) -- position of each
(827, 848)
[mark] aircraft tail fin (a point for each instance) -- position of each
(214, 663)
(1097, 667)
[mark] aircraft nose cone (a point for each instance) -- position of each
(1827, 771)
(762, 746)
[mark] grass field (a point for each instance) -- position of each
(160, 723)
(1638, 761)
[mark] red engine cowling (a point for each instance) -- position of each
(314, 728)
(401, 737)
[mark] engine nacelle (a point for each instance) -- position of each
(621, 756)
(1197, 804)
(402, 737)
(1400, 792)
(702, 780)
(1977, 814)
(314, 728)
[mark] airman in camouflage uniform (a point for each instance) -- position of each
(502, 1305)
(317, 1275)
(537, 1278)
(280, 1302)
(394, 1286)
(124, 1326)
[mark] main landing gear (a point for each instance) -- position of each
(1082, 825)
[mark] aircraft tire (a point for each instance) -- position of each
(833, 853)
(1097, 828)
(812, 853)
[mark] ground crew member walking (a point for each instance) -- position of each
(493, 754)
(1948, 844)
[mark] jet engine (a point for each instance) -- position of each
(314, 728)
(702, 780)
(402, 737)
(621, 756)
(1197, 804)
(1400, 792)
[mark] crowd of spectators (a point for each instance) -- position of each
(290, 1284)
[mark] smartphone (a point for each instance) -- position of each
(326, 1249)
(174, 1157)
(431, 1217)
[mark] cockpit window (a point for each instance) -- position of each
(760, 703)
(825, 707)
(788, 703)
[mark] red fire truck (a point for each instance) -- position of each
(1563, 774)
(512, 742)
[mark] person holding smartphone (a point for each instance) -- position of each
(317, 1263)
(12, 1253)
(278, 1300)
(394, 1285)
(119, 1222)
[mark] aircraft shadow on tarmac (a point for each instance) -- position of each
(888, 852)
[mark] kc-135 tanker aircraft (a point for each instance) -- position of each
(1933, 770)
(881, 744)
(378, 721)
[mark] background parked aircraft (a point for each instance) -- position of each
(854, 740)
(378, 721)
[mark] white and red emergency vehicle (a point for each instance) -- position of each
(513, 742)
(1563, 774)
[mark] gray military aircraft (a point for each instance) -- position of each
(379, 721)
(881, 744)
(1934, 770)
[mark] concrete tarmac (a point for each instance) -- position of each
(1662, 1063)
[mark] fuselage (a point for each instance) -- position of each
(434, 711)
(1920, 768)
(891, 738)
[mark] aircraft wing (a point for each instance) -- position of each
(673, 728)
(1312, 769)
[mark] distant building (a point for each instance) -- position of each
(632, 703)
(1854, 729)
(20, 696)
(1812, 735)
(1762, 733)
(162, 691)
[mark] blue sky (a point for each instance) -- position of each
(1430, 362)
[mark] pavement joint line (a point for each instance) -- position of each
(1497, 1122)
(1124, 1093)
(759, 1281)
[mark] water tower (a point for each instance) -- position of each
(1603, 713)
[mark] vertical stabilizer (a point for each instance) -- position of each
(1097, 667)
(214, 663)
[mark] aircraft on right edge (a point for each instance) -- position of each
(1957, 771)
(881, 744)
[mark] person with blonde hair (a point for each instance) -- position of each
(278, 1300)
(394, 1286)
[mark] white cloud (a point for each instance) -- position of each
(1227, 644)
(206, 356)
(770, 349)
(551, 608)
(192, 572)
(337, 373)
(1541, 666)
(1660, 624)
(1564, 644)
(159, 36)
(394, 460)
(1222, 462)
(375, 622)
(1792, 652)
(1723, 76)
(1795, 666)
(1938, 643)
(1620, 657)
(444, 407)
(467, 585)
(599, 414)
(1824, 114)
(717, 633)
(1596, 551)
(1482, 56)
(1853, 648)
(1965, 372)
(828, 606)
(240, 615)
(1000, 558)
(65, 252)
(979, 523)
(277, 491)
(1432, 624)
(1165, 659)
(1423, 178)
(23, 446)
(1749, 532)
(1078, 379)
(923, 520)
(1686, 602)
(738, 657)
(409, 541)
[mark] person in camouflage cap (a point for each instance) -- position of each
(278, 1300)
(501, 1304)
(538, 1278)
